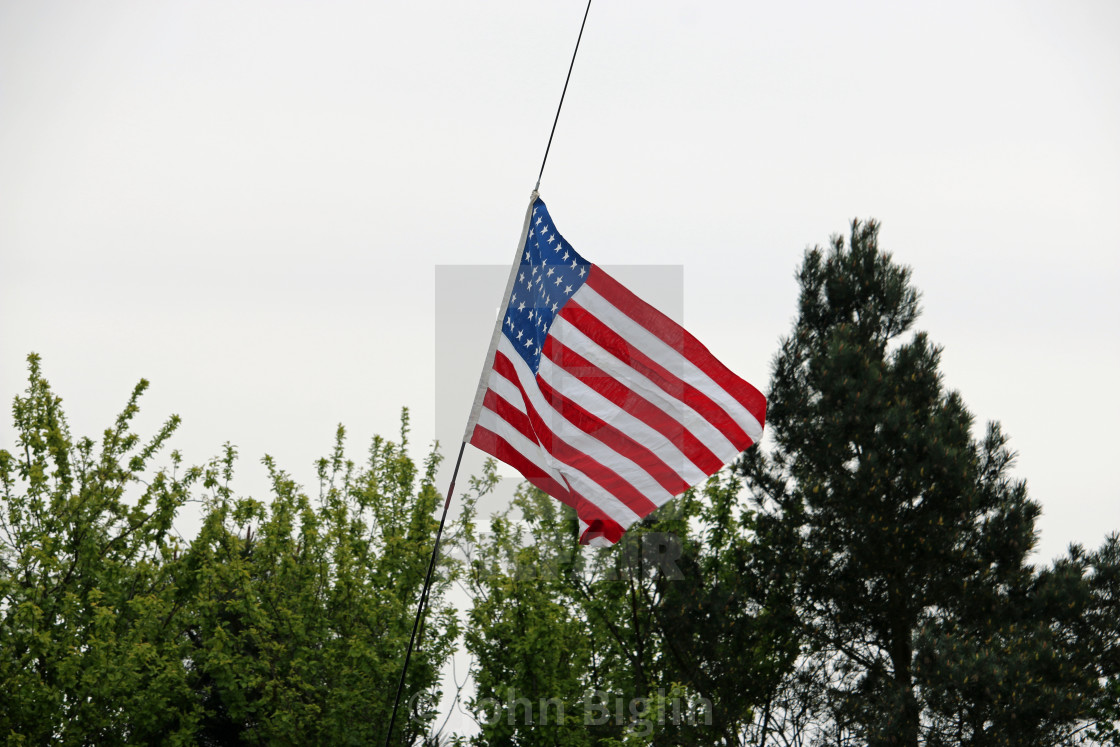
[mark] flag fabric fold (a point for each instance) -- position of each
(597, 398)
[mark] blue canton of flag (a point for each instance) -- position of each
(550, 272)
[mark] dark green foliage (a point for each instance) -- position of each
(725, 625)
(279, 623)
(1101, 626)
(908, 539)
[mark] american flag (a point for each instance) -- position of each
(597, 398)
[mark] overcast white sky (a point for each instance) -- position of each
(247, 202)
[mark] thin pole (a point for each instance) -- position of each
(463, 446)
(424, 595)
(557, 117)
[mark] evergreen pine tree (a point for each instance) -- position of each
(907, 536)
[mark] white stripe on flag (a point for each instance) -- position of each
(598, 405)
(665, 355)
(580, 440)
(532, 451)
(691, 420)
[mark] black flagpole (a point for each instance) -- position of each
(463, 446)
(424, 596)
(562, 94)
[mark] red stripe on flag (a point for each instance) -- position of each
(598, 523)
(610, 341)
(604, 476)
(598, 428)
(617, 393)
(678, 338)
(497, 446)
(510, 414)
(608, 530)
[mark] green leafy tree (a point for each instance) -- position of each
(279, 623)
(659, 639)
(90, 646)
(531, 654)
(908, 538)
(724, 624)
(304, 606)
